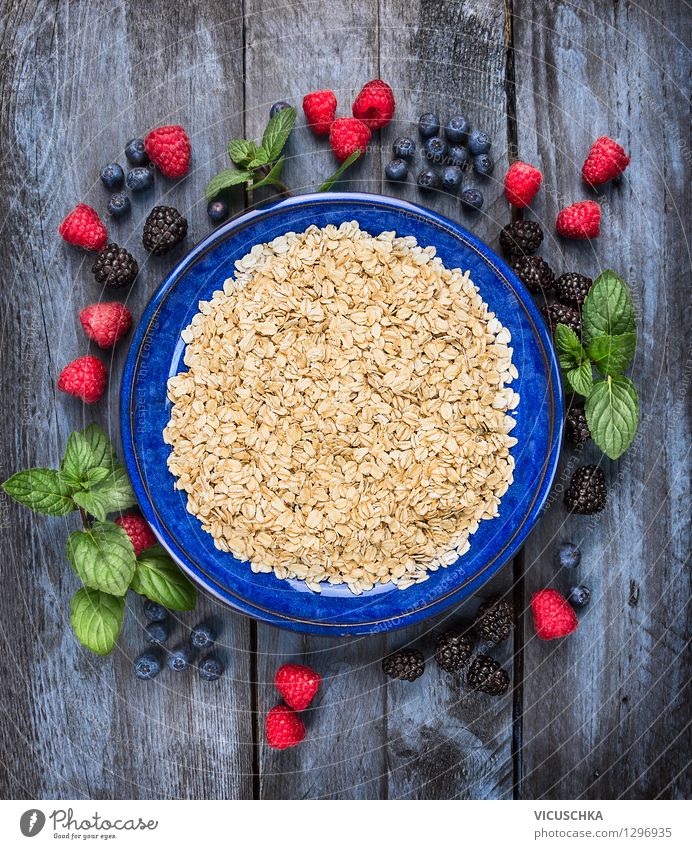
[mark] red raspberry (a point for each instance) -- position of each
(284, 727)
(580, 220)
(374, 105)
(170, 148)
(84, 378)
(348, 135)
(522, 181)
(297, 684)
(606, 160)
(106, 323)
(141, 535)
(320, 110)
(552, 615)
(84, 228)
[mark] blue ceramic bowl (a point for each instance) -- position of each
(156, 353)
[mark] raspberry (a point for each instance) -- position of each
(606, 160)
(283, 727)
(106, 323)
(320, 110)
(348, 135)
(552, 615)
(522, 181)
(83, 228)
(85, 378)
(141, 535)
(374, 105)
(580, 220)
(169, 148)
(297, 684)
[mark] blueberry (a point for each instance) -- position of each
(451, 177)
(457, 129)
(483, 164)
(157, 632)
(277, 107)
(202, 636)
(428, 125)
(567, 556)
(153, 611)
(119, 205)
(404, 148)
(479, 142)
(435, 149)
(140, 179)
(210, 668)
(147, 666)
(112, 176)
(457, 155)
(217, 210)
(579, 596)
(428, 180)
(178, 659)
(396, 170)
(135, 153)
(472, 199)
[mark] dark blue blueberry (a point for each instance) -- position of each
(140, 179)
(156, 633)
(210, 668)
(579, 596)
(396, 170)
(428, 125)
(435, 149)
(483, 164)
(147, 666)
(135, 153)
(119, 205)
(457, 129)
(202, 636)
(112, 176)
(404, 148)
(153, 611)
(428, 180)
(472, 198)
(277, 107)
(457, 155)
(567, 555)
(217, 210)
(178, 659)
(479, 142)
(451, 177)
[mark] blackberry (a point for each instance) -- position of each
(572, 288)
(576, 426)
(163, 229)
(586, 493)
(405, 664)
(557, 313)
(452, 650)
(486, 675)
(521, 237)
(494, 620)
(534, 272)
(115, 267)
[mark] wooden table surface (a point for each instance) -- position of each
(604, 713)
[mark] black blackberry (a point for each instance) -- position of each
(494, 620)
(405, 664)
(587, 491)
(452, 650)
(534, 272)
(572, 288)
(557, 313)
(521, 237)
(163, 229)
(486, 675)
(576, 426)
(115, 267)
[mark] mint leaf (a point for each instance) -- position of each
(260, 158)
(581, 378)
(612, 412)
(225, 180)
(608, 309)
(102, 557)
(277, 132)
(94, 476)
(613, 354)
(96, 619)
(570, 352)
(329, 182)
(108, 495)
(79, 457)
(241, 151)
(272, 178)
(158, 578)
(85, 452)
(43, 490)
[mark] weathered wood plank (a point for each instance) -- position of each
(606, 710)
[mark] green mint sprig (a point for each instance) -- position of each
(92, 480)
(608, 343)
